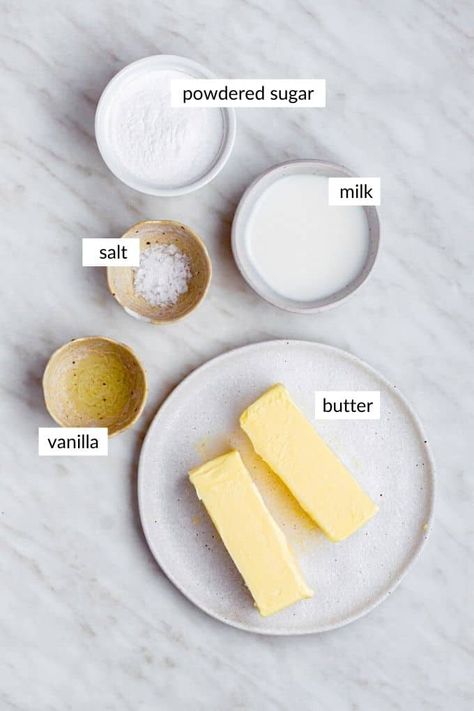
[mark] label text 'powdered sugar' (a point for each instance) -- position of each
(248, 93)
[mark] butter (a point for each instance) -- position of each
(254, 541)
(288, 443)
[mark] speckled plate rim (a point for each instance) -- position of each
(168, 405)
(84, 339)
(162, 61)
(132, 232)
(240, 223)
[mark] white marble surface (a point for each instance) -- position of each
(87, 621)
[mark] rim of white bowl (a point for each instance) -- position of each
(240, 243)
(161, 61)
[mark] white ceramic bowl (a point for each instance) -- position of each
(102, 132)
(241, 247)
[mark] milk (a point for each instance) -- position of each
(303, 248)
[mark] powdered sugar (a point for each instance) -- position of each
(163, 275)
(156, 142)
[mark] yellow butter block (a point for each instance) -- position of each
(254, 541)
(288, 443)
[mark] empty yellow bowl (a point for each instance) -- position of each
(95, 382)
(121, 279)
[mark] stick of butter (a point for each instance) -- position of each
(254, 541)
(287, 442)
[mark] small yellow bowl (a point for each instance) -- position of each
(121, 279)
(95, 382)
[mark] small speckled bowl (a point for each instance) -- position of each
(121, 279)
(95, 382)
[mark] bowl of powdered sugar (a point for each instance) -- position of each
(173, 275)
(152, 146)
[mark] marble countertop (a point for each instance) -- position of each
(87, 620)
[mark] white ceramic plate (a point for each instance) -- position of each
(389, 457)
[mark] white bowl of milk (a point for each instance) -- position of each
(293, 248)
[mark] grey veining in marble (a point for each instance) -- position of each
(87, 621)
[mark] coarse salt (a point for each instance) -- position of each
(163, 275)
